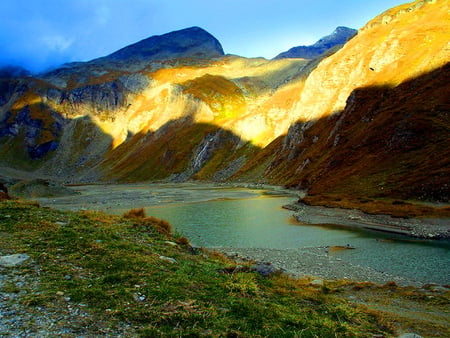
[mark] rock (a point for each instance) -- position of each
(317, 282)
(168, 259)
(409, 335)
(265, 269)
(40, 188)
(11, 261)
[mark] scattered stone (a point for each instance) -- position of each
(409, 335)
(265, 269)
(317, 282)
(168, 259)
(11, 261)
(59, 293)
(139, 297)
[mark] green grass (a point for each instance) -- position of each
(115, 266)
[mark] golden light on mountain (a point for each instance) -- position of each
(285, 121)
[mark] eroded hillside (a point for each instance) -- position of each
(373, 119)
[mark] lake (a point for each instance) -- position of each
(213, 216)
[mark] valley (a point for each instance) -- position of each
(171, 189)
(363, 121)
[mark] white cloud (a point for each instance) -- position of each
(57, 43)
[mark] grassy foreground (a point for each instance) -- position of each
(130, 269)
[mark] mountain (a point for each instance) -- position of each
(191, 42)
(13, 71)
(373, 118)
(338, 38)
(364, 125)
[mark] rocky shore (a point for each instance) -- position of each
(317, 263)
(430, 228)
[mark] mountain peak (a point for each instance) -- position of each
(339, 37)
(192, 42)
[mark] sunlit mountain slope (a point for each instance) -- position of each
(369, 120)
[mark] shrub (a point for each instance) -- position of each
(160, 225)
(182, 240)
(135, 214)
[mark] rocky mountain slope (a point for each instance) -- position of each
(338, 38)
(368, 121)
(374, 117)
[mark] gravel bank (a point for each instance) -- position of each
(431, 228)
(315, 262)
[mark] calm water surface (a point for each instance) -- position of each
(262, 223)
(246, 218)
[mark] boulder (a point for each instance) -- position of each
(265, 269)
(11, 261)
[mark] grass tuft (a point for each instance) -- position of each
(135, 214)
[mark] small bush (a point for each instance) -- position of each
(4, 196)
(160, 225)
(163, 227)
(182, 240)
(135, 214)
(242, 283)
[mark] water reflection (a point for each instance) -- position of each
(262, 223)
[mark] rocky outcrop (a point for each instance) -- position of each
(369, 116)
(336, 39)
(40, 188)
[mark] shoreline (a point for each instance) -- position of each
(424, 228)
(300, 262)
(316, 263)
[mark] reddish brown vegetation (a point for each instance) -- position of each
(135, 214)
(395, 208)
(182, 241)
(388, 143)
(160, 225)
(4, 196)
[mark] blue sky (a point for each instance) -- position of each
(38, 34)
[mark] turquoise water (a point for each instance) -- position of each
(247, 218)
(262, 223)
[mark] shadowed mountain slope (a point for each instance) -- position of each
(386, 143)
(338, 38)
(367, 121)
(191, 42)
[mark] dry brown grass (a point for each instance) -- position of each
(394, 208)
(160, 225)
(135, 214)
(182, 240)
(4, 196)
